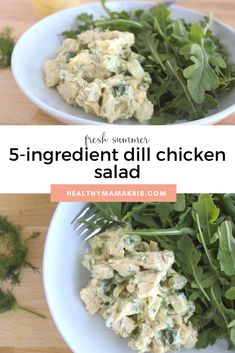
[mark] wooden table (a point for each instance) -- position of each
(16, 108)
(21, 332)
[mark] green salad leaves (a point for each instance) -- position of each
(188, 65)
(200, 230)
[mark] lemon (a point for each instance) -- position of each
(43, 8)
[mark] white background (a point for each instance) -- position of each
(35, 177)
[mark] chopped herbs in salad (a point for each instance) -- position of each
(188, 65)
(100, 73)
(135, 289)
(199, 230)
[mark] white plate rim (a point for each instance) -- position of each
(46, 280)
(44, 274)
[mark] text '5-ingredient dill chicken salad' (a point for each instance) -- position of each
(162, 275)
(143, 65)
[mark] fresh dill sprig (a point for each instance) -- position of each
(8, 302)
(13, 251)
(13, 257)
(7, 43)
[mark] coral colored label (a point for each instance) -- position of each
(113, 193)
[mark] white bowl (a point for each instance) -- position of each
(41, 42)
(64, 277)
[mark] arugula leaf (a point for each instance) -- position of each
(146, 220)
(228, 202)
(161, 14)
(216, 59)
(149, 42)
(231, 324)
(180, 203)
(208, 337)
(230, 293)
(179, 31)
(189, 259)
(164, 211)
(111, 211)
(196, 33)
(226, 254)
(84, 23)
(200, 76)
(207, 213)
(208, 279)
(174, 70)
(217, 305)
(232, 335)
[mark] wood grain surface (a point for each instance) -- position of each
(18, 14)
(21, 332)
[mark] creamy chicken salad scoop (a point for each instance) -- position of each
(140, 296)
(99, 72)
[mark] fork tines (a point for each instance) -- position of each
(87, 214)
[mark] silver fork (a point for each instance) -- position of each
(87, 214)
